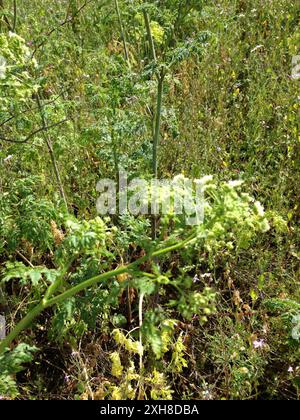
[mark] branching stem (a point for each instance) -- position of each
(48, 302)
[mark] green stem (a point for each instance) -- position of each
(123, 35)
(141, 379)
(115, 153)
(22, 325)
(15, 16)
(149, 35)
(51, 152)
(156, 135)
(121, 270)
(37, 310)
(156, 138)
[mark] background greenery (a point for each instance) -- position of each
(231, 109)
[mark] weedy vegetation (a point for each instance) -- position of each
(143, 306)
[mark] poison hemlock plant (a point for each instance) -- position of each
(231, 218)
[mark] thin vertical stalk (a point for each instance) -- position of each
(149, 35)
(159, 101)
(52, 155)
(160, 87)
(123, 35)
(15, 17)
(115, 156)
(141, 379)
(156, 137)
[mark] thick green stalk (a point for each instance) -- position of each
(22, 325)
(121, 270)
(37, 310)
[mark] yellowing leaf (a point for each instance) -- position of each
(117, 368)
(157, 32)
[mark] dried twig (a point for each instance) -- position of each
(34, 133)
